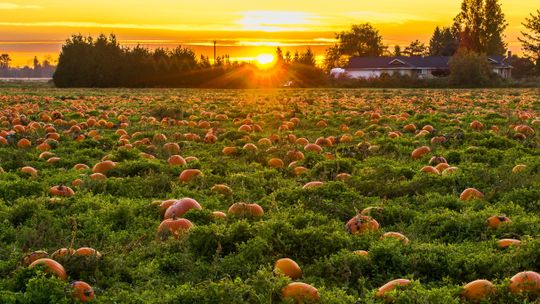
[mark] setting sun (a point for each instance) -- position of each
(265, 60)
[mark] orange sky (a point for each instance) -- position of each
(243, 28)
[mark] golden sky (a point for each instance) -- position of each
(243, 28)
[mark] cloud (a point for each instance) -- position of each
(380, 17)
(14, 6)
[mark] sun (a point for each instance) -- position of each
(265, 60)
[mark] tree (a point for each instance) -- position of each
(4, 61)
(443, 42)
(307, 58)
(522, 67)
(469, 69)
(480, 25)
(416, 48)
(360, 40)
(531, 39)
(397, 51)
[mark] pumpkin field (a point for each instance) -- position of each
(269, 196)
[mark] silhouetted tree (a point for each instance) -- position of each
(481, 24)
(471, 69)
(360, 40)
(416, 48)
(443, 42)
(397, 51)
(531, 39)
(5, 60)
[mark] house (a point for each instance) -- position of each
(424, 67)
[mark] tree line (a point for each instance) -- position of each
(103, 62)
(476, 31)
(38, 70)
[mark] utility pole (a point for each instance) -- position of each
(214, 52)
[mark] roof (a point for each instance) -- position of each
(402, 62)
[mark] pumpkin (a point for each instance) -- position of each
(276, 163)
(242, 209)
(519, 168)
(396, 235)
(505, 243)
(176, 160)
(229, 150)
(24, 144)
(313, 148)
(250, 147)
(87, 251)
(299, 170)
(98, 176)
(430, 169)
(442, 166)
(61, 190)
(526, 281)
(171, 148)
(77, 182)
(104, 166)
(313, 184)
(51, 266)
(222, 189)
(391, 286)
(478, 290)
(181, 207)
(63, 252)
(219, 214)
(82, 291)
(449, 170)
(361, 252)
(175, 227)
(30, 170)
(409, 128)
(81, 167)
(189, 174)
(470, 193)
(435, 160)
(288, 267)
(33, 256)
(300, 292)
(343, 176)
(419, 152)
(361, 224)
(495, 221)
(476, 125)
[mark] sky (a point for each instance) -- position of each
(243, 29)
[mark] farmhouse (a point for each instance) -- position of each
(423, 67)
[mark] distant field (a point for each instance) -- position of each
(326, 175)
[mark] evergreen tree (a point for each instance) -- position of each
(397, 51)
(531, 39)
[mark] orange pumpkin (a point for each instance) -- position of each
(361, 252)
(276, 163)
(103, 167)
(478, 290)
(176, 160)
(219, 214)
(435, 160)
(391, 286)
(430, 169)
(470, 193)
(87, 251)
(181, 207)
(222, 189)
(288, 267)
(313, 148)
(528, 281)
(189, 174)
(61, 190)
(30, 170)
(313, 184)
(495, 222)
(229, 150)
(33, 256)
(361, 224)
(505, 243)
(519, 168)
(63, 252)
(82, 291)
(343, 176)
(51, 266)
(419, 152)
(301, 293)
(175, 227)
(242, 209)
